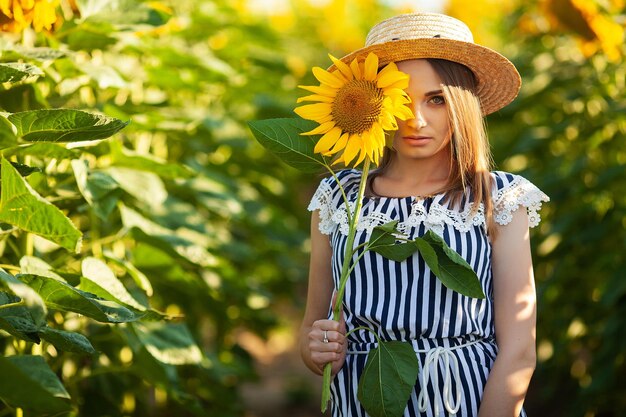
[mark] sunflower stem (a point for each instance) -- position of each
(345, 273)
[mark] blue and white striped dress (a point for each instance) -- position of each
(453, 335)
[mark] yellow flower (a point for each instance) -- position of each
(16, 15)
(357, 103)
(596, 29)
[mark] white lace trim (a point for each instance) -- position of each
(519, 192)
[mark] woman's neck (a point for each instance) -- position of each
(413, 177)
(418, 173)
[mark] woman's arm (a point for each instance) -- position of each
(315, 353)
(515, 315)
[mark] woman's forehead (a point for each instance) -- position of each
(422, 74)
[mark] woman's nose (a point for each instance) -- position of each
(419, 121)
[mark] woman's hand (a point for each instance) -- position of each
(327, 343)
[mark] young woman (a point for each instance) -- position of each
(476, 356)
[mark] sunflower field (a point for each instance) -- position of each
(153, 256)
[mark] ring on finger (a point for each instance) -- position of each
(325, 340)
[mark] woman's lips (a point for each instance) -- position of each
(417, 140)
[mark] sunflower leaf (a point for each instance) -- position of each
(451, 269)
(388, 378)
(283, 138)
(64, 125)
(13, 72)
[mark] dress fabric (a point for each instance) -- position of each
(453, 335)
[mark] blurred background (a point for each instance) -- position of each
(189, 74)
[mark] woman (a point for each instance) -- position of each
(476, 356)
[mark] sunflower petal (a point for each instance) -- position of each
(315, 97)
(388, 122)
(328, 78)
(322, 90)
(341, 143)
(390, 78)
(390, 67)
(342, 67)
(371, 67)
(403, 113)
(352, 148)
(314, 111)
(356, 69)
(327, 141)
(401, 84)
(321, 129)
(366, 137)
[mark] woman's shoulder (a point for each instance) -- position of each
(329, 198)
(510, 191)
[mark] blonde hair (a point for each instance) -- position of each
(470, 154)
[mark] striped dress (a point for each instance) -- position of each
(453, 335)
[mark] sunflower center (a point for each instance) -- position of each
(357, 106)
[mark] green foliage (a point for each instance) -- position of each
(174, 210)
(63, 125)
(28, 382)
(21, 206)
(230, 226)
(566, 133)
(389, 361)
(447, 265)
(13, 72)
(283, 138)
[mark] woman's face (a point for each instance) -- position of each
(426, 136)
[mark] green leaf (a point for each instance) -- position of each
(169, 343)
(139, 277)
(21, 206)
(100, 280)
(40, 54)
(383, 241)
(451, 269)
(40, 150)
(32, 301)
(37, 266)
(166, 239)
(29, 383)
(100, 190)
(122, 12)
(13, 72)
(145, 186)
(64, 125)
(123, 157)
(388, 379)
(68, 341)
(282, 137)
(24, 170)
(8, 136)
(89, 36)
(62, 296)
(17, 320)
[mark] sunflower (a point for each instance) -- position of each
(16, 15)
(357, 104)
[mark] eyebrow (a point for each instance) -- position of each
(433, 93)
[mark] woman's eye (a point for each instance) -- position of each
(438, 100)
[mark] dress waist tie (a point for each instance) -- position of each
(435, 356)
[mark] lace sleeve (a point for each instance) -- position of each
(328, 199)
(514, 191)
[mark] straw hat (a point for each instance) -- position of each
(432, 35)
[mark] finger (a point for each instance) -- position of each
(317, 341)
(322, 358)
(329, 325)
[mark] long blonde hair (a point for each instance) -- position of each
(470, 154)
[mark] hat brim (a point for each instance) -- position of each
(498, 81)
